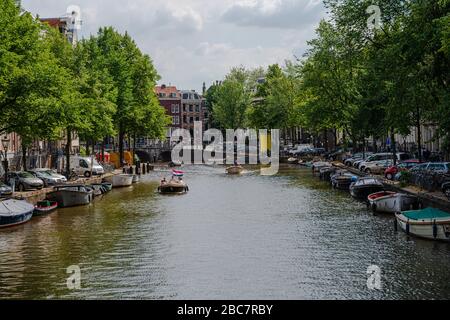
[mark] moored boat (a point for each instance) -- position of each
(45, 207)
(15, 212)
(108, 186)
(342, 180)
(392, 202)
(234, 170)
(428, 223)
(120, 180)
(317, 166)
(71, 195)
(363, 187)
(292, 160)
(327, 172)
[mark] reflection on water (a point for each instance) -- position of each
(283, 237)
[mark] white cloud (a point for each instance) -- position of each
(191, 41)
(274, 13)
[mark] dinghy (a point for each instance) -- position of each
(391, 202)
(364, 187)
(428, 223)
(45, 207)
(14, 212)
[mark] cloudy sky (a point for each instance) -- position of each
(191, 41)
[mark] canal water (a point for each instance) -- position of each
(289, 236)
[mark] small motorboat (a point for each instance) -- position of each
(392, 202)
(317, 166)
(234, 170)
(342, 180)
(14, 212)
(71, 195)
(108, 186)
(98, 189)
(292, 160)
(173, 187)
(120, 180)
(428, 223)
(366, 186)
(45, 207)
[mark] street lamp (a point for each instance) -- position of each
(5, 145)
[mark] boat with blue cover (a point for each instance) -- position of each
(14, 212)
(429, 223)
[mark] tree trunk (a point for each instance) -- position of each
(87, 147)
(134, 146)
(68, 148)
(103, 149)
(419, 134)
(24, 157)
(121, 153)
(394, 146)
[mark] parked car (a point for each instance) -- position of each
(24, 181)
(446, 189)
(49, 177)
(5, 190)
(356, 157)
(301, 150)
(383, 156)
(438, 167)
(392, 171)
(377, 167)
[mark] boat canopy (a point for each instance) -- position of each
(429, 213)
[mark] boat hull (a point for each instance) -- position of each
(120, 181)
(425, 229)
(170, 189)
(71, 198)
(393, 203)
(21, 212)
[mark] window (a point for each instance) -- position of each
(191, 108)
(83, 164)
(184, 107)
(173, 95)
(175, 108)
(175, 120)
(191, 119)
(162, 95)
(197, 118)
(197, 108)
(185, 96)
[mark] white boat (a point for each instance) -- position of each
(428, 223)
(120, 180)
(71, 195)
(392, 202)
(15, 212)
(292, 160)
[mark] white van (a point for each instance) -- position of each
(83, 166)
